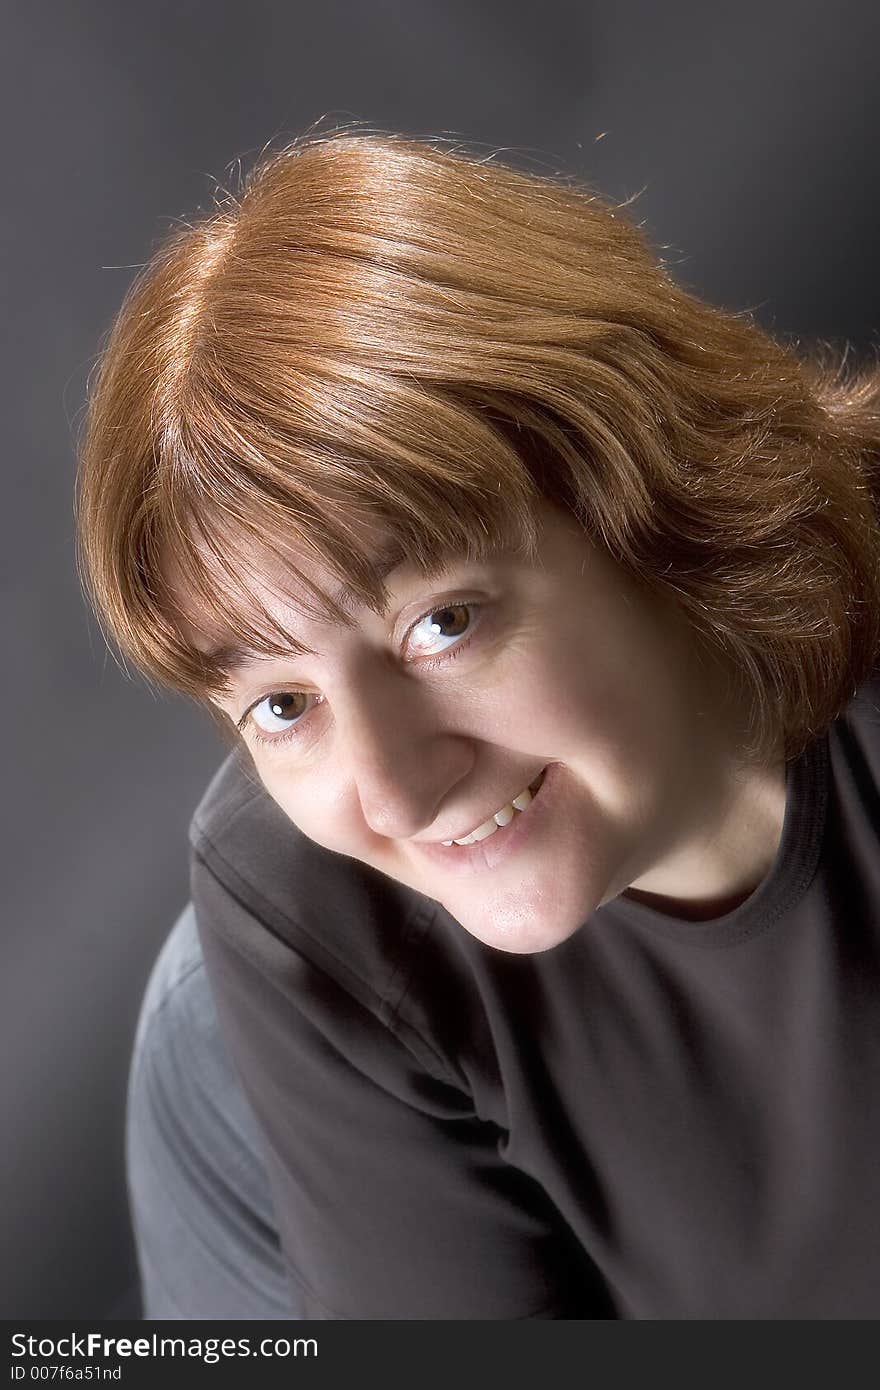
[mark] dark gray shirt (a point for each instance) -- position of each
(655, 1119)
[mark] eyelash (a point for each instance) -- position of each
(430, 663)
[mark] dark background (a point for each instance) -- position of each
(748, 131)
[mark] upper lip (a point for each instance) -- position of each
(463, 834)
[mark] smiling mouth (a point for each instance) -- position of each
(501, 818)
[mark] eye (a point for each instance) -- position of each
(283, 714)
(445, 624)
(279, 711)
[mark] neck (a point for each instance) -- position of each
(719, 869)
(727, 836)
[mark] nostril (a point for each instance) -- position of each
(398, 817)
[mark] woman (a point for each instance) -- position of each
(539, 897)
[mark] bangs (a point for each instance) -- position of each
(241, 518)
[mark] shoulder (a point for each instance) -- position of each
(856, 734)
(294, 921)
(350, 921)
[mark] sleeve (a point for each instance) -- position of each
(391, 1196)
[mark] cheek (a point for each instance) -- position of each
(566, 695)
(318, 803)
(621, 674)
(606, 708)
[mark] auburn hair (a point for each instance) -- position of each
(378, 330)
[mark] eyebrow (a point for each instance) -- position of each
(235, 656)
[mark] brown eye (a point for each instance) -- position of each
(441, 625)
(455, 619)
(280, 710)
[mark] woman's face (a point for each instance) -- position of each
(417, 728)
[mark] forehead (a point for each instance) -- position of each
(245, 603)
(235, 597)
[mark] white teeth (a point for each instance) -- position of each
(482, 832)
(501, 818)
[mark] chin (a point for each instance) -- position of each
(522, 924)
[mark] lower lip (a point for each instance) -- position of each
(489, 853)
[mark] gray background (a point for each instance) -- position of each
(750, 132)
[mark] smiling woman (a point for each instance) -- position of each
(542, 603)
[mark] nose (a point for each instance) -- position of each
(400, 758)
